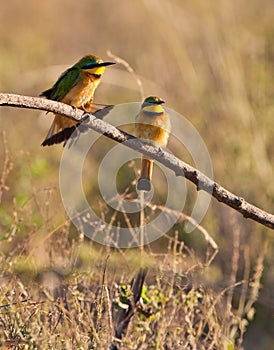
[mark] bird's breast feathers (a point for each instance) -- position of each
(82, 92)
(154, 127)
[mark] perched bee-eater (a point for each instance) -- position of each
(153, 125)
(74, 87)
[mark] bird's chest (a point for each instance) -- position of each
(82, 92)
(154, 128)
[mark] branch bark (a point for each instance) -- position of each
(179, 167)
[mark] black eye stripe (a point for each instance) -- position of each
(90, 65)
(97, 76)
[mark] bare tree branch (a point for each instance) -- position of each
(180, 168)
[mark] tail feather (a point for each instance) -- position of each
(58, 133)
(52, 130)
(59, 137)
(144, 182)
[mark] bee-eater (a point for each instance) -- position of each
(152, 124)
(74, 87)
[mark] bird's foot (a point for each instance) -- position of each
(85, 109)
(160, 150)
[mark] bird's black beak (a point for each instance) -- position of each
(104, 64)
(160, 102)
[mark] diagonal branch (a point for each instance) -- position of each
(179, 167)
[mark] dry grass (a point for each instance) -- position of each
(55, 293)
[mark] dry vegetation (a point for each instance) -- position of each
(213, 63)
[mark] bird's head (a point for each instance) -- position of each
(153, 104)
(93, 65)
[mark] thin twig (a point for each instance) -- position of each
(7, 167)
(128, 67)
(179, 167)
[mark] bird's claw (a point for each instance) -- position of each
(160, 150)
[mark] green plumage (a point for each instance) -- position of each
(64, 84)
(71, 77)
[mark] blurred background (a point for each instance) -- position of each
(212, 61)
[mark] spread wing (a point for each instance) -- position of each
(63, 85)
